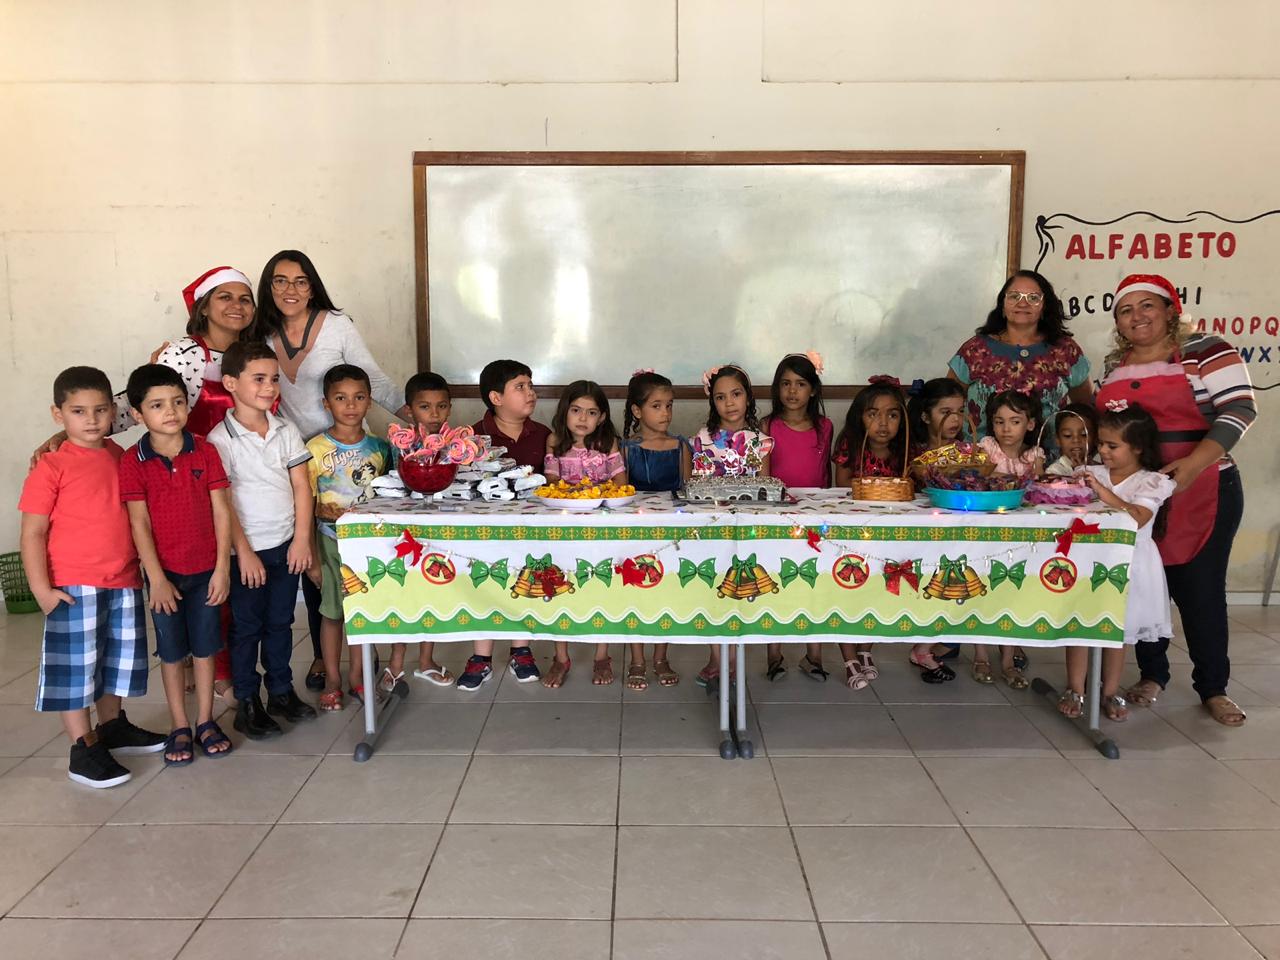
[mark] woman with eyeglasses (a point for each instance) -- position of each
(1025, 346)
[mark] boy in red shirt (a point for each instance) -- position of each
(82, 567)
(175, 489)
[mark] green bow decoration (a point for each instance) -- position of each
(953, 570)
(538, 564)
(497, 572)
(742, 569)
(1014, 574)
(395, 570)
(1117, 575)
(602, 571)
(807, 571)
(705, 571)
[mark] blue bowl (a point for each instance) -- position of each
(985, 501)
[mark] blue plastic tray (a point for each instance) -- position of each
(983, 501)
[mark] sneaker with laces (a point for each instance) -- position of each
(477, 673)
(93, 766)
(121, 736)
(522, 665)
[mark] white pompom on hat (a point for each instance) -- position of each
(1150, 283)
(216, 277)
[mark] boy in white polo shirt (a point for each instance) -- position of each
(266, 462)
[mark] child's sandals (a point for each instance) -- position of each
(555, 676)
(211, 737)
(869, 668)
(387, 682)
(636, 679)
(855, 677)
(775, 670)
(981, 671)
(1115, 708)
(1016, 679)
(931, 671)
(813, 670)
(666, 676)
(436, 675)
(1071, 704)
(179, 743)
(602, 671)
(331, 701)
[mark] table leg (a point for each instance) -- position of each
(1089, 725)
(364, 749)
(746, 749)
(728, 749)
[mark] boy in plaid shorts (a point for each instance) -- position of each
(80, 561)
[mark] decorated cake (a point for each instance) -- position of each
(727, 467)
(1071, 491)
(733, 488)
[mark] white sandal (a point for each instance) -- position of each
(437, 675)
(387, 682)
(855, 678)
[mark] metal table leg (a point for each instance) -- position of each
(746, 749)
(1090, 724)
(364, 749)
(728, 748)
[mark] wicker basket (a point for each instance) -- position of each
(886, 489)
(18, 597)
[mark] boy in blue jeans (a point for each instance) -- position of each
(83, 570)
(271, 533)
(175, 489)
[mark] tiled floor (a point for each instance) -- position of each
(904, 821)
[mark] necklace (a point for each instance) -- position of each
(289, 349)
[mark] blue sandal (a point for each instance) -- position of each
(216, 737)
(174, 744)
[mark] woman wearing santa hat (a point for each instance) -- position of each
(1197, 388)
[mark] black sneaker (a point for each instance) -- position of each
(94, 766)
(522, 665)
(122, 737)
(477, 673)
(252, 720)
(289, 706)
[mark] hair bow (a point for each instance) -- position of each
(1118, 406)
(641, 371)
(709, 376)
(885, 378)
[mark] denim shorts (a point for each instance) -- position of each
(94, 647)
(195, 629)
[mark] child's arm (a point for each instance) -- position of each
(163, 596)
(299, 555)
(220, 582)
(1141, 515)
(620, 475)
(686, 462)
(844, 475)
(33, 543)
(252, 572)
(550, 463)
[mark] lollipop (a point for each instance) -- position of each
(402, 438)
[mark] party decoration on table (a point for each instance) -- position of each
(1117, 576)
(497, 572)
(539, 578)
(850, 571)
(457, 445)
(955, 580)
(378, 569)
(746, 580)
(409, 547)
(602, 571)
(1058, 574)
(1069, 491)
(896, 572)
(807, 571)
(351, 582)
(1014, 574)
(438, 569)
(646, 570)
(1078, 528)
(584, 490)
(706, 571)
(960, 454)
(732, 471)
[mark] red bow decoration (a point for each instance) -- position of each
(815, 538)
(408, 545)
(1067, 536)
(894, 573)
(550, 579)
(639, 571)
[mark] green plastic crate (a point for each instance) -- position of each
(18, 597)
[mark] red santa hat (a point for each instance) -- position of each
(216, 277)
(1151, 283)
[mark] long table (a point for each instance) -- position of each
(825, 568)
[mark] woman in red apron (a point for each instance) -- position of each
(1197, 388)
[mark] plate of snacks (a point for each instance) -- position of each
(617, 494)
(563, 495)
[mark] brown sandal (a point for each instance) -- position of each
(1144, 693)
(602, 671)
(553, 679)
(1225, 710)
(636, 678)
(666, 676)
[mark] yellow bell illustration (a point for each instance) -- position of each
(955, 580)
(541, 580)
(351, 582)
(746, 580)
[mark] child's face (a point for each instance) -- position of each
(163, 411)
(794, 391)
(945, 419)
(655, 413)
(1010, 427)
(430, 409)
(881, 421)
(347, 402)
(257, 386)
(1073, 439)
(517, 399)
(1114, 452)
(86, 416)
(730, 398)
(582, 418)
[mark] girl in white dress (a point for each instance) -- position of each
(1128, 479)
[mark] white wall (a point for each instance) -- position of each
(146, 140)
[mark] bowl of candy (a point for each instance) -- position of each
(973, 489)
(430, 461)
(1067, 491)
(425, 476)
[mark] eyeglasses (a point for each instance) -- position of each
(1013, 296)
(281, 284)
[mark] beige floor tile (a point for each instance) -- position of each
(294, 939)
(1263, 774)
(388, 789)
(859, 791)
(37, 791)
(310, 738)
(813, 729)
(23, 731)
(886, 873)
(1266, 940)
(1247, 647)
(422, 728)
(684, 728)
(93, 939)
(505, 940)
(974, 731)
(1090, 876)
(524, 789)
(739, 939)
(565, 729)
(549, 872)
(144, 872)
(1021, 792)
(1144, 734)
(1176, 794)
(28, 853)
(1235, 869)
(704, 872)
(1257, 739)
(698, 791)
(930, 941)
(8, 763)
(1262, 680)
(1256, 617)
(380, 866)
(1180, 693)
(1126, 943)
(232, 789)
(685, 660)
(18, 685)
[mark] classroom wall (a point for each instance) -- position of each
(146, 140)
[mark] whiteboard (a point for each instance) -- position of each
(590, 271)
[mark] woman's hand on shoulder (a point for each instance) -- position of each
(49, 446)
(155, 354)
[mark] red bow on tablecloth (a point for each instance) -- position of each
(1067, 536)
(894, 573)
(408, 545)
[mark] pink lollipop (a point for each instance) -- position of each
(402, 438)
